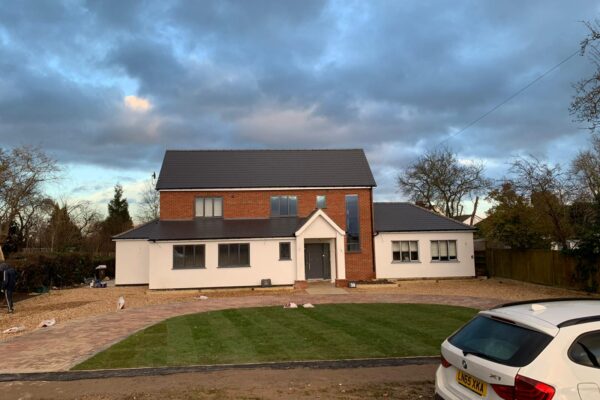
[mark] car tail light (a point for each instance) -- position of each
(525, 389)
(504, 392)
(445, 362)
(530, 389)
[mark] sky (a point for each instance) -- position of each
(105, 87)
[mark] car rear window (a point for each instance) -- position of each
(500, 341)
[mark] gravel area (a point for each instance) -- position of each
(68, 304)
(495, 288)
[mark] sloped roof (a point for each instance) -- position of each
(215, 228)
(221, 169)
(406, 217)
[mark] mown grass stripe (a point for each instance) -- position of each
(327, 332)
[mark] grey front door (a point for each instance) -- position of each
(316, 261)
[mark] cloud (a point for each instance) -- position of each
(137, 103)
(112, 86)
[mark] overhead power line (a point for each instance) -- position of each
(509, 98)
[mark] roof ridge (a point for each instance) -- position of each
(263, 150)
(442, 215)
(392, 202)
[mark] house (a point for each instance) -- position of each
(412, 242)
(233, 218)
(466, 219)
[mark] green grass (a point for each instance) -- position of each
(334, 331)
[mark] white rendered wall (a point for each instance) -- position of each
(264, 264)
(385, 267)
(131, 266)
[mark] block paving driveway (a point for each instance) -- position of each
(63, 346)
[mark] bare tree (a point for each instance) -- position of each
(84, 215)
(585, 169)
(23, 171)
(438, 180)
(586, 102)
(150, 203)
(550, 192)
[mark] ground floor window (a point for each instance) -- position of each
(285, 252)
(443, 250)
(189, 256)
(234, 255)
(405, 250)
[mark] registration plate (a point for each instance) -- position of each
(472, 383)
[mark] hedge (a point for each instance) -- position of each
(37, 272)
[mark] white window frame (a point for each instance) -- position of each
(435, 244)
(201, 212)
(399, 243)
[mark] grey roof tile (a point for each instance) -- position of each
(406, 217)
(215, 169)
(215, 228)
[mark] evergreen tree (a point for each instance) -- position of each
(118, 219)
(62, 233)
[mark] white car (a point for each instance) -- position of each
(542, 350)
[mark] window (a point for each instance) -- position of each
(283, 206)
(352, 223)
(405, 250)
(500, 342)
(285, 252)
(321, 201)
(586, 350)
(188, 256)
(443, 250)
(234, 255)
(209, 207)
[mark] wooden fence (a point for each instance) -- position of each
(545, 267)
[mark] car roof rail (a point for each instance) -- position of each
(577, 321)
(550, 300)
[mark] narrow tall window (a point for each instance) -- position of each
(321, 201)
(443, 250)
(284, 206)
(352, 223)
(209, 207)
(285, 252)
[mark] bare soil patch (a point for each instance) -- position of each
(405, 383)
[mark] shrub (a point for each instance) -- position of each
(35, 271)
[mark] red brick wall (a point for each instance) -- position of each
(256, 204)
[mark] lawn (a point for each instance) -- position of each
(335, 331)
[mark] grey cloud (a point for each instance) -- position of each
(393, 77)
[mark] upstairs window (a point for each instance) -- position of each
(352, 223)
(321, 201)
(284, 206)
(443, 250)
(208, 207)
(405, 251)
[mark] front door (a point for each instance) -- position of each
(316, 261)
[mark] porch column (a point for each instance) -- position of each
(340, 257)
(300, 276)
